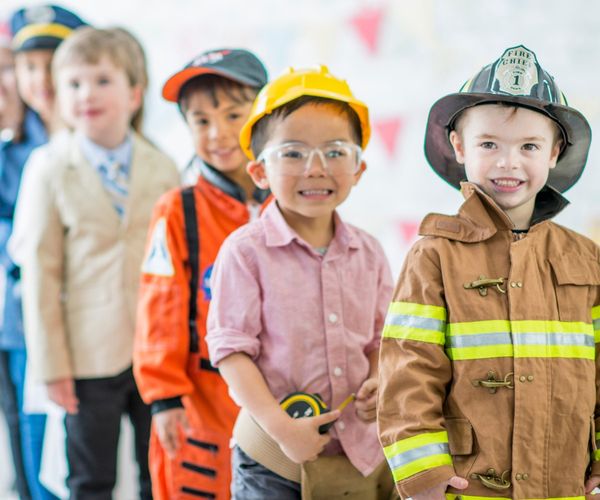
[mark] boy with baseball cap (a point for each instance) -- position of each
(193, 414)
(489, 360)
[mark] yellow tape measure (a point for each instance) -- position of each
(303, 404)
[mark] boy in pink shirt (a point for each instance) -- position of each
(299, 300)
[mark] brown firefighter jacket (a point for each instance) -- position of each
(489, 361)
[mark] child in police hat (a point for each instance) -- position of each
(488, 368)
(36, 32)
(85, 202)
(11, 336)
(214, 92)
(299, 301)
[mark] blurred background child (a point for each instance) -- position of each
(36, 33)
(85, 202)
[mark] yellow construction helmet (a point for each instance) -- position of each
(317, 82)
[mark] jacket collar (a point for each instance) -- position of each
(479, 217)
(222, 182)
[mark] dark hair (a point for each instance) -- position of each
(209, 85)
(263, 127)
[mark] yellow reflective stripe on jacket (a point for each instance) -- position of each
(453, 496)
(521, 339)
(596, 322)
(417, 453)
(596, 452)
(411, 321)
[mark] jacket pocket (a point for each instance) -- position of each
(574, 275)
(460, 436)
(462, 445)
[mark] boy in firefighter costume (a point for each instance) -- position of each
(488, 370)
(193, 415)
(299, 301)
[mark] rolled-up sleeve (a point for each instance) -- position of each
(234, 317)
(385, 287)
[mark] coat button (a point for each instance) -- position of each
(525, 476)
(519, 284)
(518, 477)
(513, 284)
(522, 378)
(530, 378)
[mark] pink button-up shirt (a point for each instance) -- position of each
(307, 320)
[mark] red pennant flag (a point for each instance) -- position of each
(409, 230)
(388, 129)
(367, 23)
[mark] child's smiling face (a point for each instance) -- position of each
(215, 125)
(508, 152)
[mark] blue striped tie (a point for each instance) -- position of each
(115, 180)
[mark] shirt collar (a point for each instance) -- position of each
(279, 233)
(225, 184)
(97, 155)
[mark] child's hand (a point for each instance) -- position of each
(62, 392)
(439, 492)
(301, 441)
(590, 484)
(366, 398)
(168, 424)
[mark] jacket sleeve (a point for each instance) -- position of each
(161, 347)
(595, 469)
(413, 374)
(38, 243)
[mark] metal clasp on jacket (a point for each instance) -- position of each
(491, 480)
(483, 283)
(492, 383)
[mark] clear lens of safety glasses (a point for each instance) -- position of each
(295, 158)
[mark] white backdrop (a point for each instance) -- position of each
(398, 55)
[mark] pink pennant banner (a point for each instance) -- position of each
(367, 23)
(408, 230)
(388, 130)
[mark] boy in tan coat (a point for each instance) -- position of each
(81, 220)
(488, 385)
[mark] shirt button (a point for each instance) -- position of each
(341, 426)
(332, 317)
(337, 371)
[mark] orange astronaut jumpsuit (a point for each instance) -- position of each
(171, 363)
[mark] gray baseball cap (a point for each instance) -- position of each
(239, 65)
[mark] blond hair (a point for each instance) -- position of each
(88, 45)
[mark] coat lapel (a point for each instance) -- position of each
(138, 173)
(89, 181)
